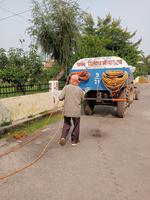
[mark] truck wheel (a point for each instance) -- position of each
(88, 109)
(121, 106)
(136, 94)
(132, 96)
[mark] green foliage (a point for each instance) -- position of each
(119, 39)
(141, 70)
(88, 24)
(21, 67)
(108, 38)
(49, 74)
(54, 71)
(6, 123)
(3, 58)
(92, 46)
(56, 27)
(143, 67)
(33, 126)
(67, 34)
(63, 34)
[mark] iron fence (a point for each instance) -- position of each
(16, 90)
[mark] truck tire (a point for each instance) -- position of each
(121, 106)
(131, 96)
(136, 94)
(88, 109)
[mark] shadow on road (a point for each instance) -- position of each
(103, 111)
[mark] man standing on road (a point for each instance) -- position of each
(72, 95)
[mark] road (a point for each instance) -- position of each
(112, 162)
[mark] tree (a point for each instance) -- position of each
(145, 60)
(62, 33)
(3, 58)
(108, 38)
(143, 67)
(55, 26)
(88, 24)
(91, 46)
(21, 67)
(119, 39)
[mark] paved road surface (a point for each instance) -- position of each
(112, 161)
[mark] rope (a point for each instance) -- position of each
(13, 149)
(83, 75)
(41, 154)
(114, 80)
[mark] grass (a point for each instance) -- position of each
(32, 127)
(6, 123)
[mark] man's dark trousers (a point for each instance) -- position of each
(75, 131)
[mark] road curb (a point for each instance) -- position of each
(20, 123)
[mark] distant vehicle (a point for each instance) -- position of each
(106, 81)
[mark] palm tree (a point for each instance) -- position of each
(146, 62)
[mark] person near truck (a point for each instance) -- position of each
(73, 96)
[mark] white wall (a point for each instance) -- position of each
(17, 108)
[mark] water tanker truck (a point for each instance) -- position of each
(106, 81)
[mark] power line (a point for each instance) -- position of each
(16, 14)
(2, 1)
(12, 12)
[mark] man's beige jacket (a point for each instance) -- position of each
(73, 96)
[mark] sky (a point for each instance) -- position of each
(134, 15)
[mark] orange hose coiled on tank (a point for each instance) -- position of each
(83, 75)
(114, 80)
